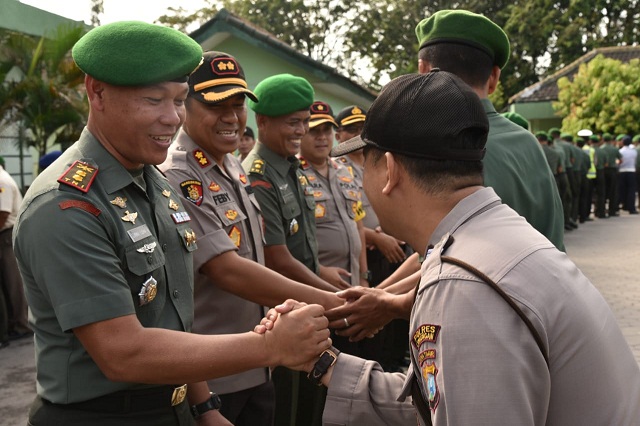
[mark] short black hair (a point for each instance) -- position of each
(472, 65)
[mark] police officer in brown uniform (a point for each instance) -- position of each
(230, 281)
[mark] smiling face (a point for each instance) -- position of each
(283, 134)
(316, 145)
(216, 128)
(136, 124)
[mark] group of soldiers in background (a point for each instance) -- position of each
(594, 173)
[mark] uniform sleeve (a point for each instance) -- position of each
(361, 393)
(482, 366)
(212, 238)
(77, 271)
(274, 232)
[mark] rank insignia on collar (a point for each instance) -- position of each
(214, 187)
(180, 217)
(148, 291)
(173, 205)
(166, 193)
(293, 226)
(80, 175)
(190, 237)
(243, 178)
(235, 236)
(147, 248)
(120, 202)
(201, 158)
(231, 214)
(130, 217)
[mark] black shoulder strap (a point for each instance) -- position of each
(416, 393)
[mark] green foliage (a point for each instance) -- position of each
(603, 96)
(42, 87)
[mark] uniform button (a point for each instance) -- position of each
(164, 247)
(150, 260)
(176, 294)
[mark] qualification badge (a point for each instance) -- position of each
(148, 291)
(130, 217)
(120, 202)
(235, 236)
(166, 193)
(147, 248)
(190, 237)
(293, 227)
(173, 205)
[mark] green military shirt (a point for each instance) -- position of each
(578, 158)
(516, 168)
(611, 154)
(568, 153)
(286, 201)
(553, 159)
(600, 157)
(92, 241)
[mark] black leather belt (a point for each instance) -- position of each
(131, 400)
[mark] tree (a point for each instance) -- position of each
(42, 89)
(603, 96)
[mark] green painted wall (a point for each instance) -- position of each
(541, 115)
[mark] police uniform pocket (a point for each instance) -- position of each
(354, 206)
(229, 214)
(290, 207)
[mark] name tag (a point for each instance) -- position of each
(139, 233)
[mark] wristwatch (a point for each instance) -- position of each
(213, 403)
(327, 359)
(366, 276)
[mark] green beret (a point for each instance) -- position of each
(468, 28)
(282, 94)
(516, 118)
(133, 53)
(553, 130)
(636, 139)
(566, 136)
(607, 137)
(620, 136)
(542, 135)
(594, 138)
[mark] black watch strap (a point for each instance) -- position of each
(213, 403)
(327, 359)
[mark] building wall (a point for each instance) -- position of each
(540, 115)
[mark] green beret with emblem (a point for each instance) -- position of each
(282, 94)
(134, 53)
(467, 28)
(553, 131)
(566, 136)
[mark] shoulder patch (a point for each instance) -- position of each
(82, 205)
(425, 333)
(257, 166)
(192, 191)
(80, 175)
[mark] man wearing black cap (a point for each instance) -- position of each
(230, 282)
(105, 248)
(476, 49)
(504, 328)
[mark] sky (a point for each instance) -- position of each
(115, 10)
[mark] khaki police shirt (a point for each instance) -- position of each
(338, 206)
(93, 256)
(476, 360)
(10, 198)
(371, 219)
(286, 202)
(226, 217)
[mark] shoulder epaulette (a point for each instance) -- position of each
(80, 175)
(304, 164)
(341, 159)
(201, 158)
(257, 166)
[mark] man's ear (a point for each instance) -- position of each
(423, 67)
(95, 92)
(393, 173)
(494, 79)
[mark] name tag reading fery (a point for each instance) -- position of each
(139, 233)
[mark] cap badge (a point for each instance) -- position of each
(225, 66)
(356, 111)
(120, 202)
(148, 291)
(130, 217)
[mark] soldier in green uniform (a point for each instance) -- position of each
(574, 174)
(476, 49)
(599, 161)
(553, 159)
(105, 249)
(611, 158)
(288, 208)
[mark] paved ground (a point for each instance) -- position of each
(605, 250)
